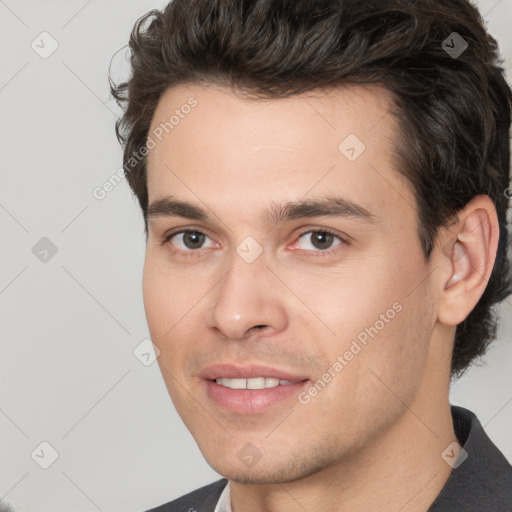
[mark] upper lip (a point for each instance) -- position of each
(247, 371)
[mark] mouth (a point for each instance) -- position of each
(252, 373)
(250, 389)
(253, 383)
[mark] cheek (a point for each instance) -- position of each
(155, 296)
(175, 316)
(346, 300)
(164, 307)
(169, 296)
(392, 363)
(376, 313)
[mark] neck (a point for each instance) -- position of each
(400, 470)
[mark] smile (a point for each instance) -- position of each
(252, 383)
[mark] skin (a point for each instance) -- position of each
(385, 418)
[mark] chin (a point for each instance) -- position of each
(264, 473)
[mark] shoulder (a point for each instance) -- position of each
(201, 500)
(483, 480)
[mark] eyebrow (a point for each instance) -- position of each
(330, 206)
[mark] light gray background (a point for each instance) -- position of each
(68, 375)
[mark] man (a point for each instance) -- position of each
(324, 187)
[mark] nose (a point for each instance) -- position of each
(247, 301)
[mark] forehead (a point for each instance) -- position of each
(217, 110)
(210, 140)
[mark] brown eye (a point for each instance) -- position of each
(318, 241)
(189, 240)
(322, 240)
(193, 239)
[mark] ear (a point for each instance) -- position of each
(467, 259)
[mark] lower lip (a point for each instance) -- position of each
(251, 401)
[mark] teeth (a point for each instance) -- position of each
(271, 382)
(253, 383)
(256, 383)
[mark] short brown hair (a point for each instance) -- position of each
(454, 111)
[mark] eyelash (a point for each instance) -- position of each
(318, 253)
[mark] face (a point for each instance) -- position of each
(283, 258)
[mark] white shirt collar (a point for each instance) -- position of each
(224, 503)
